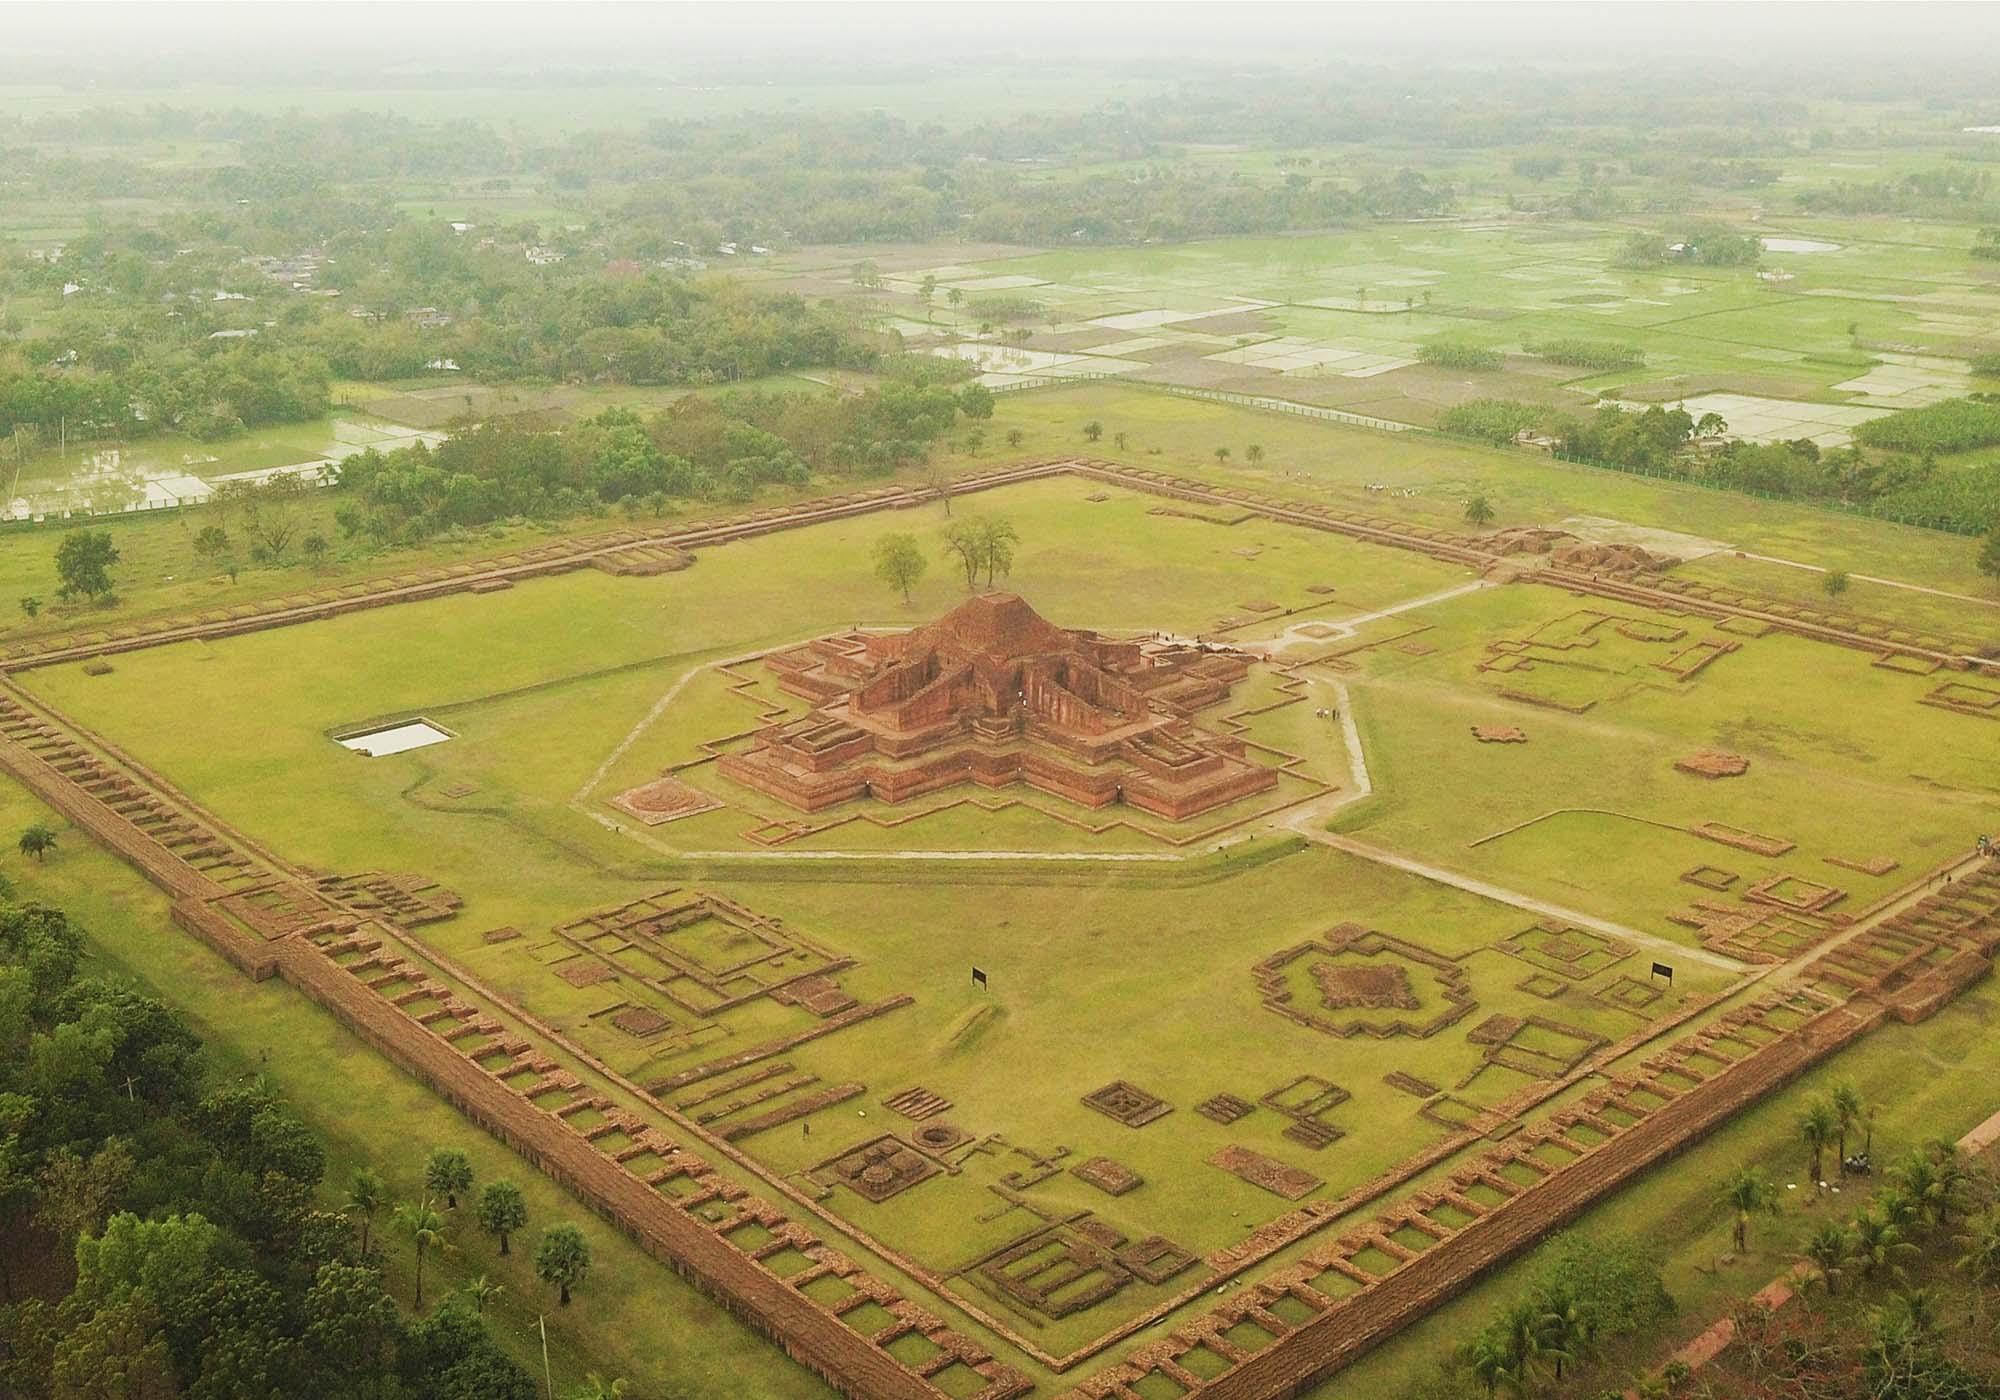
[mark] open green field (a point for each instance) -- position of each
(1111, 958)
(1844, 319)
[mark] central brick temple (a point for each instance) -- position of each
(992, 693)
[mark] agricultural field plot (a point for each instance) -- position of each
(1058, 1085)
(1843, 321)
(170, 470)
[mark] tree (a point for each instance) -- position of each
(315, 547)
(1989, 553)
(352, 1325)
(75, 1192)
(1876, 1243)
(1834, 581)
(963, 544)
(1828, 1250)
(1818, 1128)
(31, 605)
(1093, 430)
(83, 564)
(448, 1172)
(927, 293)
(37, 841)
(481, 1291)
(211, 542)
(1253, 454)
(899, 563)
(1934, 1178)
(425, 1227)
(1981, 1242)
(1118, 441)
(364, 1198)
(595, 1387)
(954, 298)
(1478, 511)
(1014, 440)
(1221, 456)
(119, 1351)
(996, 547)
(501, 1210)
(1748, 1194)
(1710, 425)
(1846, 1103)
(563, 1259)
(1565, 1331)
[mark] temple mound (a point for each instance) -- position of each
(992, 693)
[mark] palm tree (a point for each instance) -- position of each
(37, 841)
(1504, 1352)
(481, 1291)
(1914, 1311)
(1491, 1362)
(1748, 1194)
(1922, 1183)
(1828, 1250)
(1093, 430)
(1877, 1243)
(1478, 511)
(1846, 1102)
(1253, 454)
(1981, 1242)
(595, 1387)
(1953, 1177)
(1119, 440)
(448, 1172)
(501, 1210)
(421, 1222)
(563, 1259)
(1566, 1329)
(364, 1198)
(1818, 1129)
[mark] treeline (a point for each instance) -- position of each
(1955, 425)
(1955, 191)
(1672, 442)
(1708, 245)
(90, 388)
(650, 329)
(1603, 355)
(726, 447)
(1457, 354)
(162, 1227)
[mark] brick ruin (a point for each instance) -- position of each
(1271, 1337)
(993, 694)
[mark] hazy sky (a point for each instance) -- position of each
(200, 42)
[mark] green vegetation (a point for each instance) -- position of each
(162, 1221)
(1457, 354)
(1706, 245)
(1955, 425)
(1599, 355)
